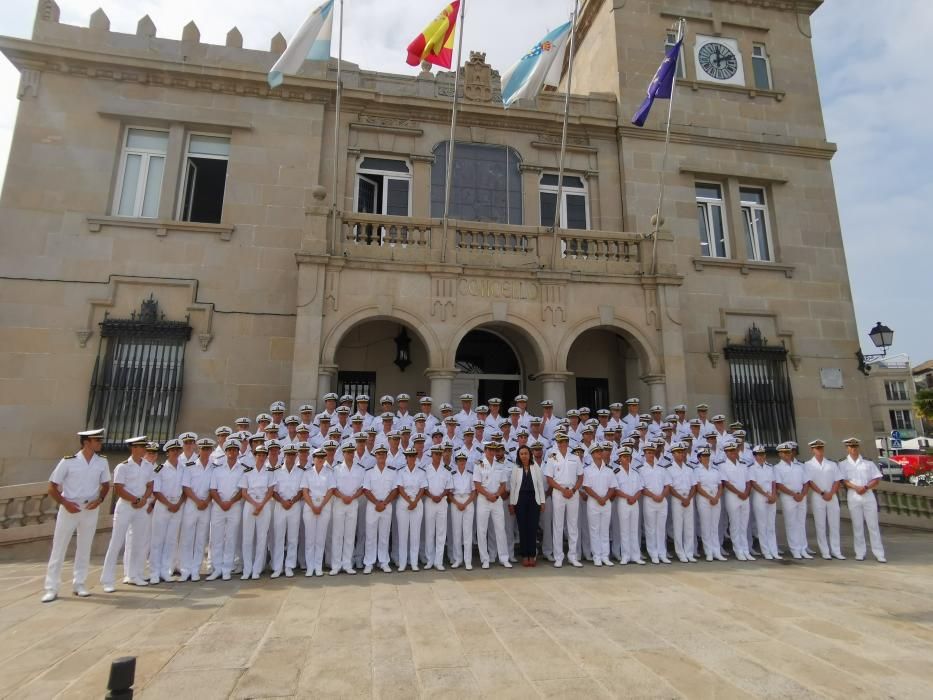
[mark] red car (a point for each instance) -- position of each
(915, 462)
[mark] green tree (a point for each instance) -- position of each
(923, 405)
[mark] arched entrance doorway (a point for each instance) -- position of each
(489, 366)
(605, 369)
(381, 357)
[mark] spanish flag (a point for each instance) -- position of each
(436, 43)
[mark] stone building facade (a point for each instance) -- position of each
(155, 181)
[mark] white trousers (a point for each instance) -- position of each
(709, 526)
(484, 511)
(315, 529)
(546, 523)
(435, 531)
(682, 521)
(629, 548)
(738, 511)
(195, 529)
(359, 547)
(584, 550)
(343, 534)
(655, 527)
(66, 524)
(826, 513)
(226, 531)
(286, 524)
(255, 535)
(598, 518)
(409, 533)
(163, 543)
(461, 533)
(765, 521)
(565, 509)
(130, 528)
(795, 522)
(378, 527)
(864, 512)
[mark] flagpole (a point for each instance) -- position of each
(453, 127)
(563, 138)
(681, 31)
(337, 130)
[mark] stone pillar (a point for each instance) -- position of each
(531, 180)
(442, 381)
(554, 387)
(656, 389)
(421, 186)
(174, 163)
(326, 374)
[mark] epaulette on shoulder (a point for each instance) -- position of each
(422, 468)
(247, 469)
(616, 470)
(70, 456)
(304, 469)
(158, 468)
(389, 466)
(268, 469)
(190, 463)
(367, 468)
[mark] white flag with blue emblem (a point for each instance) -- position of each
(310, 43)
(539, 67)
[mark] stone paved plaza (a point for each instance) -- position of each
(836, 629)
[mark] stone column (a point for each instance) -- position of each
(441, 384)
(326, 374)
(554, 387)
(531, 179)
(656, 389)
(421, 186)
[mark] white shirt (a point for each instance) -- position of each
(198, 478)
(225, 480)
(655, 478)
(763, 475)
(412, 480)
(79, 478)
(682, 479)
(791, 476)
(489, 476)
(256, 482)
(318, 483)
(466, 419)
(564, 469)
(461, 483)
(860, 471)
(380, 483)
(708, 478)
(287, 484)
(168, 482)
(824, 474)
(736, 473)
(133, 477)
(439, 480)
(599, 478)
(348, 480)
(629, 482)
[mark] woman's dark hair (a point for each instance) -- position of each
(518, 456)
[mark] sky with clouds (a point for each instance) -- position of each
(876, 85)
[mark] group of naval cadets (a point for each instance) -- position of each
(336, 489)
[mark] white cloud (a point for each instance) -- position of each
(877, 92)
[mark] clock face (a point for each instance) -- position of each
(718, 60)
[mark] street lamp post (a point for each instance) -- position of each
(883, 338)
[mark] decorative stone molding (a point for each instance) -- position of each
(99, 21)
(551, 142)
(146, 27)
(28, 83)
(160, 227)
(331, 289)
(201, 314)
(719, 337)
(444, 297)
(385, 124)
(824, 151)
(554, 303)
(743, 266)
(234, 39)
(738, 170)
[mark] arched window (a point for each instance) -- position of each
(487, 183)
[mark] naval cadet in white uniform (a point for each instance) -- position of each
(167, 514)
(79, 484)
(825, 479)
(861, 477)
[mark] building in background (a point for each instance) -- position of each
(892, 392)
(171, 257)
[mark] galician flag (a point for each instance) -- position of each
(436, 43)
(661, 85)
(310, 43)
(539, 67)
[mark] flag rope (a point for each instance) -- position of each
(563, 138)
(453, 128)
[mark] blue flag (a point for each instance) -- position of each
(661, 85)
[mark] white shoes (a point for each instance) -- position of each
(485, 564)
(334, 572)
(350, 570)
(607, 562)
(576, 564)
(507, 564)
(439, 567)
(455, 565)
(109, 588)
(468, 567)
(368, 569)
(215, 574)
(806, 555)
(309, 572)
(839, 556)
(289, 572)
(276, 574)
(246, 576)
(225, 577)
(598, 562)
(139, 582)
(558, 564)
(255, 576)
(81, 591)
(386, 568)
(195, 578)
(49, 596)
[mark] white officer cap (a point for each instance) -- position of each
(304, 446)
(816, 443)
(729, 444)
(394, 435)
(303, 428)
(561, 437)
(403, 397)
(852, 442)
(482, 408)
(241, 421)
(450, 420)
(680, 408)
(263, 416)
(584, 409)
(188, 437)
(203, 443)
(223, 430)
(292, 420)
(94, 433)
(322, 416)
(736, 425)
(273, 443)
(419, 437)
(348, 446)
(785, 447)
(624, 450)
(360, 437)
(172, 444)
(425, 400)
(446, 407)
(380, 449)
(678, 447)
(649, 446)
(320, 453)
(656, 409)
(330, 445)
(634, 401)
(535, 420)
(306, 408)
(469, 430)
(718, 418)
(290, 449)
(615, 406)
(521, 397)
(703, 452)
(388, 415)
(261, 449)
(573, 413)
(277, 407)
(437, 449)
(466, 397)
(331, 396)
(494, 401)
(759, 450)
(227, 447)
(138, 441)
(461, 455)
(362, 398)
(696, 421)
(343, 410)
(711, 433)
(702, 407)
(603, 413)
(514, 411)
(547, 403)
(346, 398)
(387, 399)
(356, 418)
(410, 452)
(152, 446)
(272, 428)
(595, 447)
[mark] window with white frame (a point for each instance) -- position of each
(575, 205)
(901, 420)
(383, 186)
(761, 66)
(206, 160)
(142, 165)
(757, 229)
(670, 40)
(896, 390)
(711, 220)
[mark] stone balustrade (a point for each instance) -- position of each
(26, 512)
(905, 505)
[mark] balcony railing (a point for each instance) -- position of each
(372, 237)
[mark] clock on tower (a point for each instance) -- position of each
(718, 60)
